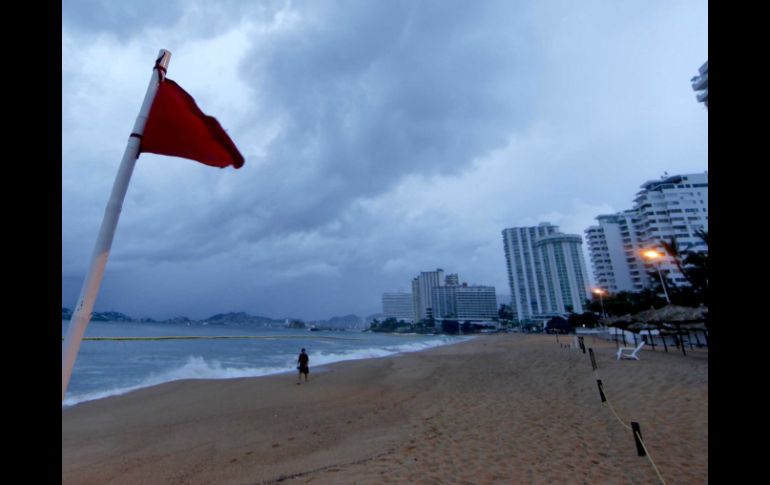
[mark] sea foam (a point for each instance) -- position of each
(197, 367)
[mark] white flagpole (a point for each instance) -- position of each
(90, 289)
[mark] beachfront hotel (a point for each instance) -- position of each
(546, 272)
(398, 305)
(422, 292)
(700, 84)
(444, 297)
(463, 302)
(615, 266)
(672, 207)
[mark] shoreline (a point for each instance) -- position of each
(501, 408)
(82, 397)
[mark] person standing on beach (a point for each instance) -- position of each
(303, 365)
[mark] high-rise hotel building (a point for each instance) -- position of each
(398, 305)
(463, 302)
(614, 258)
(422, 292)
(546, 272)
(672, 207)
(439, 297)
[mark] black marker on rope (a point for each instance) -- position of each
(593, 360)
(638, 439)
(601, 391)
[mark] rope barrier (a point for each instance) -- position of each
(616, 415)
(637, 435)
(647, 453)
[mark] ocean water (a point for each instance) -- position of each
(111, 367)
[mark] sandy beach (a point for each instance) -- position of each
(506, 408)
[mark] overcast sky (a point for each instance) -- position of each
(381, 138)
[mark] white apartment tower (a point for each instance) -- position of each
(398, 306)
(476, 302)
(615, 263)
(422, 292)
(546, 271)
(564, 271)
(463, 302)
(672, 207)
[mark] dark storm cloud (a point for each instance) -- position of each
(372, 92)
(131, 19)
(367, 94)
(123, 19)
(381, 139)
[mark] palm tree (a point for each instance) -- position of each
(697, 264)
(703, 235)
(693, 265)
(672, 249)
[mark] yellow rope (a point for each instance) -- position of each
(650, 458)
(616, 414)
(647, 453)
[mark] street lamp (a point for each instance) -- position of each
(601, 293)
(655, 256)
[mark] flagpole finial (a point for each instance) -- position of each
(161, 63)
(163, 57)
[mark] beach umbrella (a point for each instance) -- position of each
(622, 323)
(696, 327)
(678, 313)
(645, 316)
(607, 321)
(699, 313)
(619, 321)
(641, 326)
(676, 329)
(683, 318)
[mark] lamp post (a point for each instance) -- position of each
(601, 293)
(655, 256)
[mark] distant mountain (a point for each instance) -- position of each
(110, 317)
(347, 321)
(233, 318)
(66, 314)
(172, 320)
(242, 318)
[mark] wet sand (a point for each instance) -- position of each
(506, 408)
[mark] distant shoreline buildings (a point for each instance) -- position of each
(398, 305)
(672, 207)
(546, 272)
(441, 297)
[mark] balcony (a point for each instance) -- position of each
(701, 82)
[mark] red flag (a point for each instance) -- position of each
(177, 127)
